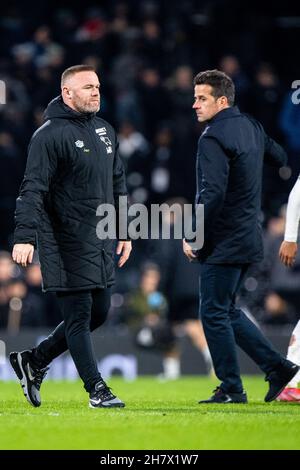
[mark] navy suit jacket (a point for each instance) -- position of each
(231, 153)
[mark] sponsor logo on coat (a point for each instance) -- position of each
(106, 140)
(108, 144)
(79, 143)
(101, 131)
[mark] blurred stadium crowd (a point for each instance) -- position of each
(146, 54)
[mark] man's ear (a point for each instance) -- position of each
(223, 100)
(67, 91)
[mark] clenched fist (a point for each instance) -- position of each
(23, 253)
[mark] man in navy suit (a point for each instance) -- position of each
(231, 152)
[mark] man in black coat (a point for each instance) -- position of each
(73, 167)
(231, 153)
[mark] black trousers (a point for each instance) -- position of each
(83, 312)
(227, 326)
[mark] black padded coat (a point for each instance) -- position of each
(73, 166)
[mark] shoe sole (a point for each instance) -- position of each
(281, 390)
(222, 402)
(288, 400)
(16, 363)
(120, 405)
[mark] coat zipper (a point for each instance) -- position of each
(97, 147)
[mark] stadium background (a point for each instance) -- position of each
(146, 54)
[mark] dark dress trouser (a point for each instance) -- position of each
(225, 325)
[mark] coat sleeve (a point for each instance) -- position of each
(120, 196)
(214, 179)
(40, 168)
(275, 155)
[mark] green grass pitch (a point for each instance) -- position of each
(157, 416)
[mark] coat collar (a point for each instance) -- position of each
(233, 111)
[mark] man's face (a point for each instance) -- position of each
(81, 92)
(205, 104)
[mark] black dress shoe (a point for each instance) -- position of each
(221, 397)
(279, 378)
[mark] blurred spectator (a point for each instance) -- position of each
(7, 274)
(16, 91)
(94, 28)
(153, 100)
(180, 282)
(40, 51)
(134, 150)
(49, 309)
(25, 308)
(271, 290)
(230, 65)
(18, 305)
(14, 120)
(46, 86)
(277, 311)
(146, 315)
(65, 26)
(264, 105)
(151, 43)
(6, 268)
(181, 93)
(131, 141)
(10, 177)
(266, 97)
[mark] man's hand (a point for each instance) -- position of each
(187, 250)
(123, 249)
(23, 253)
(287, 253)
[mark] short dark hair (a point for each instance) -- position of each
(75, 69)
(221, 84)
